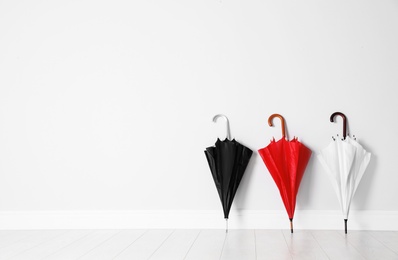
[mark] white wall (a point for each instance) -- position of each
(107, 106)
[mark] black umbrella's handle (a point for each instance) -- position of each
(228, 128)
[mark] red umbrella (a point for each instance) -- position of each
(286, 161)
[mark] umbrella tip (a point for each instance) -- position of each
(345, 225)
(291, 225)
(226, 225)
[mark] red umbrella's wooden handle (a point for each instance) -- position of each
(282, 122)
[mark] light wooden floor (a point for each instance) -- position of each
(197, 244)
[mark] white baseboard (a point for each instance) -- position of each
(200, 219)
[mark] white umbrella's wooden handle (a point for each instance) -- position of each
(344, 121)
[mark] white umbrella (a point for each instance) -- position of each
(345, 162)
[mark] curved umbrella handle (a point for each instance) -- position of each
(226, 118)
(282, 123)
(344, 121)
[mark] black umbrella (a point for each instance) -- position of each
(227, 160)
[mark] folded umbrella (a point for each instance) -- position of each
(227, 160)
(286, 161)
(345, 162)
